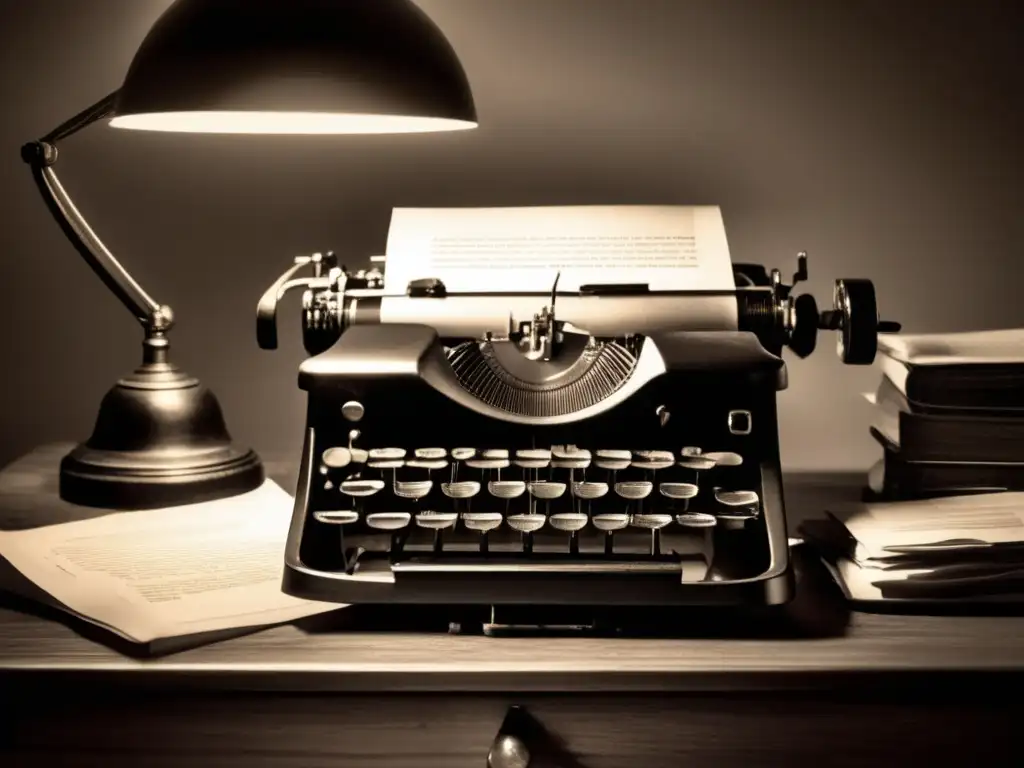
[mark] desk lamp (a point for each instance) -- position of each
(244, 67)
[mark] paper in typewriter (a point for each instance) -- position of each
(521, 250)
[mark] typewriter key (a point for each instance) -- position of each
(696, 520)
(461, 454)
(589, 491)
(412, 489)
(571, 523)
(609, 523)
(534, 454)
(431, 453)
(527, 525)
(634, 490)
(484, 463)
(614, 460)
(388, 521)
(725, 458)
(736, 498)
(653, 460)
(465, 489)
(533, 458)
(386, 454)
(436, 521)
(482, 523)
(431, 465)
(678, 491)
(336, 517)
(697, 463)
(337, 457)
(360, 488)
(546, 489)
(494, 453)
(386, 463)
(506, 489)
(652, 522)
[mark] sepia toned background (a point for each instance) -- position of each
(881, 136)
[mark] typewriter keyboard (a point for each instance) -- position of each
(565, 499)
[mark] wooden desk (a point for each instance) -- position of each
(889, 690)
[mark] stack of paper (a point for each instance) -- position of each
(164, 578)
(954, 548)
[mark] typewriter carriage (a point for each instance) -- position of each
(335, 298)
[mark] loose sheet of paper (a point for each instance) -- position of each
(990, 518)
(154, 574)
(521, 250)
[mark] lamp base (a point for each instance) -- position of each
(160, 441)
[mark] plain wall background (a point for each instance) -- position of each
(882, 136)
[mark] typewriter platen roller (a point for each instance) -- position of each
(610, 446)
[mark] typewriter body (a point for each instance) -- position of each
(613, 446)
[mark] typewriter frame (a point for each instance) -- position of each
(493, 584)
(769, 320)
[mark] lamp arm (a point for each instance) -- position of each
(41, 156)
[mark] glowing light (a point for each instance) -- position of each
(307, 123)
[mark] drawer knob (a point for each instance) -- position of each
(523, 742)
(508, 751)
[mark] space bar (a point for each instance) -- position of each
(495, 565)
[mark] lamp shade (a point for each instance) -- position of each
(295, 66)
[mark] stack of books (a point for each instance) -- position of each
(949, 415)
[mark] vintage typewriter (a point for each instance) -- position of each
(610, 446)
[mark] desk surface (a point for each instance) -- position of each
(872, 648)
